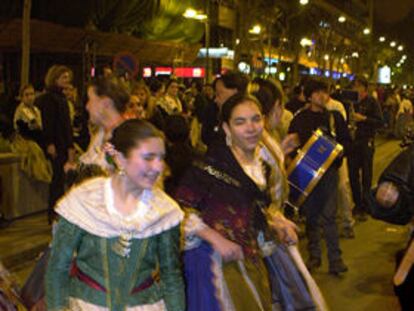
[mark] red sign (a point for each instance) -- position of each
(189, 72)
(163, 71)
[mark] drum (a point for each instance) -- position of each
(309, 165)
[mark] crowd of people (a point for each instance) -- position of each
(212, 160)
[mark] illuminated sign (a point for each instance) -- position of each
(147, 72)
(216, 53)
(384, 75)
(163, 71)
(189, 72)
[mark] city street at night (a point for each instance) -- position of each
(206, 155)
(370, 256)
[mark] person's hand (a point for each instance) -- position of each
(228, 250)
(51, 150)
(387, 194)
(359, 117)
(290, 143)
(285, 229)
(70, 166)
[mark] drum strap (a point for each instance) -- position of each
(332, 127)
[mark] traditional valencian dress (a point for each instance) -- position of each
(28, 124)
(233, 200)
(102, 260)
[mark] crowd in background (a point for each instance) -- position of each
(57, 133)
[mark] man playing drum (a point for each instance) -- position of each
(319, 208)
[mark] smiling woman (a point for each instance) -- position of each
(226, 196)
(120, 235)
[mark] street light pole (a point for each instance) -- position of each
(203, 18)
(207, 43)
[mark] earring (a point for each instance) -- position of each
(228, 140)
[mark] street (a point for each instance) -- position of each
(370, 256)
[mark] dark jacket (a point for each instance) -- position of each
(57, 128)
(370, 108)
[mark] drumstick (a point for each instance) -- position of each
(405, 265)
(313, 287)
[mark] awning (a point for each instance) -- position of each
(48, 37)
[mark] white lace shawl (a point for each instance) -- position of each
(90, 206)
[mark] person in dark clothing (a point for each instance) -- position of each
(392, 202)
(319, 208)
(298, 100)
(180, 153)
(57, 129)
(368, 118)
(226, 86)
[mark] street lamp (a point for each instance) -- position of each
(303, 2)
(382, 39)
(393, 44)
(200, 16)
(367, 31)
(255, 30)
(400, 48)
(305, 42)
(342, 19)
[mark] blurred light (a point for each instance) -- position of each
(201, 17)
(190, 13)
(282, 76)
(285, 39)
(288, 69)
(382, 39)
(342, 19)
(237, 41)
(306, 42)
(342, 60)
(355, 54)
(255, 30)
(400, 48)
(393, 44)
(404, 56)
(367, 31)
(309, 54)
(324, 24)
(270, 70)
(398, 65)
(327, 73)
(405, 86)
(244, 67)
(193, 14)
(303, 2)
(326, 57)
(147, 72)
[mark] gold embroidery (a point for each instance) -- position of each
(216, 173)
